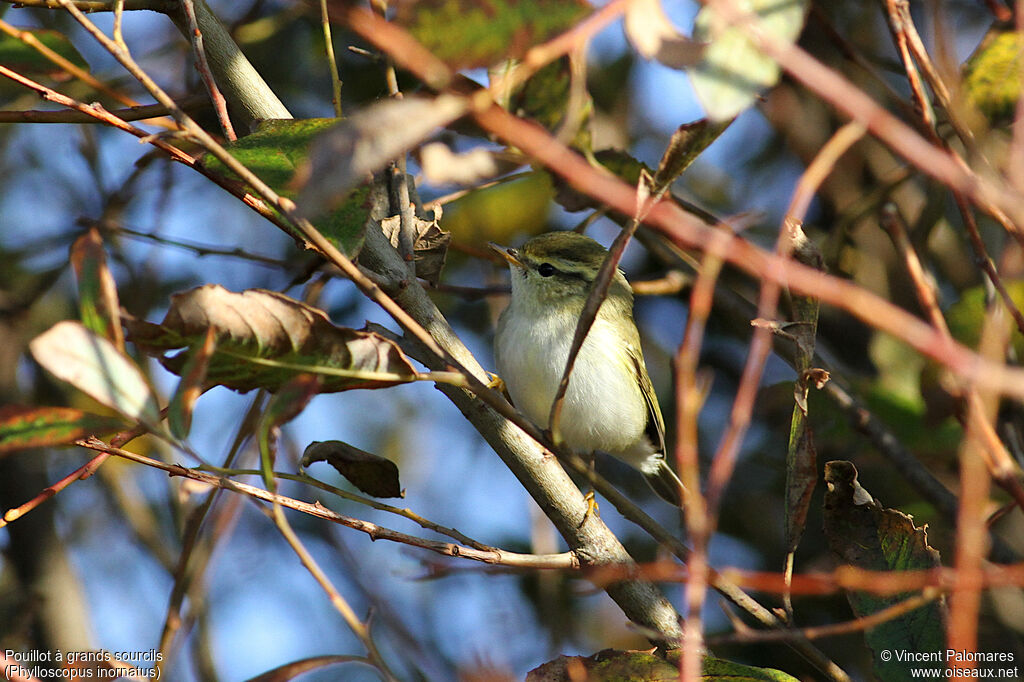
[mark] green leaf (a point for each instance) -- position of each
(966, 317)
(266, 339)
(500, 212)
(992, 75)
(686, 144)
(719, 670)
(90, 363)
(17, 55)
(862, 533)
(545, 98)
(275, 150)
(370, 473)
(733, 71)
(97, 292)
(468, 33)
(32, 427)
(801, 457)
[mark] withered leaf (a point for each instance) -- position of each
(370, 473)
(863, 533)
(430, 247)
(264, 339)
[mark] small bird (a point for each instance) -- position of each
(609, 404)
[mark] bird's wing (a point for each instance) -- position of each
(655, 428)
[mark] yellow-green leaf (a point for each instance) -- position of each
(32, 427)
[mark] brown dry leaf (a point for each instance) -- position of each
(370, 473)
(265, 339)
(430, 247)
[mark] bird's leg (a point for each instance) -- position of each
(592, 507)
(497, 383)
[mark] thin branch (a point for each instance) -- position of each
(236, 77)
(359, 499)
(196, 552)
(397, 182)
(332, 62)
(29, 39)
(81, 473)
(198, 249)
(564, 44)
(990, 194)
(220, 105)
(596, 296)
(143, 112)
(690, 233)
(875, 619)
(984, 261)
(97, 112)
(689, 400)
(375, 531)
(357, 626)
(162, 6)
(905, 33)
(118, 17)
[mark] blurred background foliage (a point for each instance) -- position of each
(93, 568)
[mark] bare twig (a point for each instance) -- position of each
(29, 39)
(375, 531)
(990, 194)
(971, 530)
(689, 232)
(194, 247)
(885, 615)
(82, 472)
(332, 62)
(220, 105)
(162, 6)
(689, 401)
(596, 296)
(360, 499)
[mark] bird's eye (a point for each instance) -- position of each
(546, 269)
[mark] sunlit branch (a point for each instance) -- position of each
(375, 531)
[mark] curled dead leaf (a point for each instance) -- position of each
(370, 473)
(430, 245)
(265, 339)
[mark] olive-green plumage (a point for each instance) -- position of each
(610, 404)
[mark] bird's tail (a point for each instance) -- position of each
(663, 480)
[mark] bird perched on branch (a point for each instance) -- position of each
(609, 404)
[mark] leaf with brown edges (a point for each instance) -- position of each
(265, 339)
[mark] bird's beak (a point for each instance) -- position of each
(507, 253)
